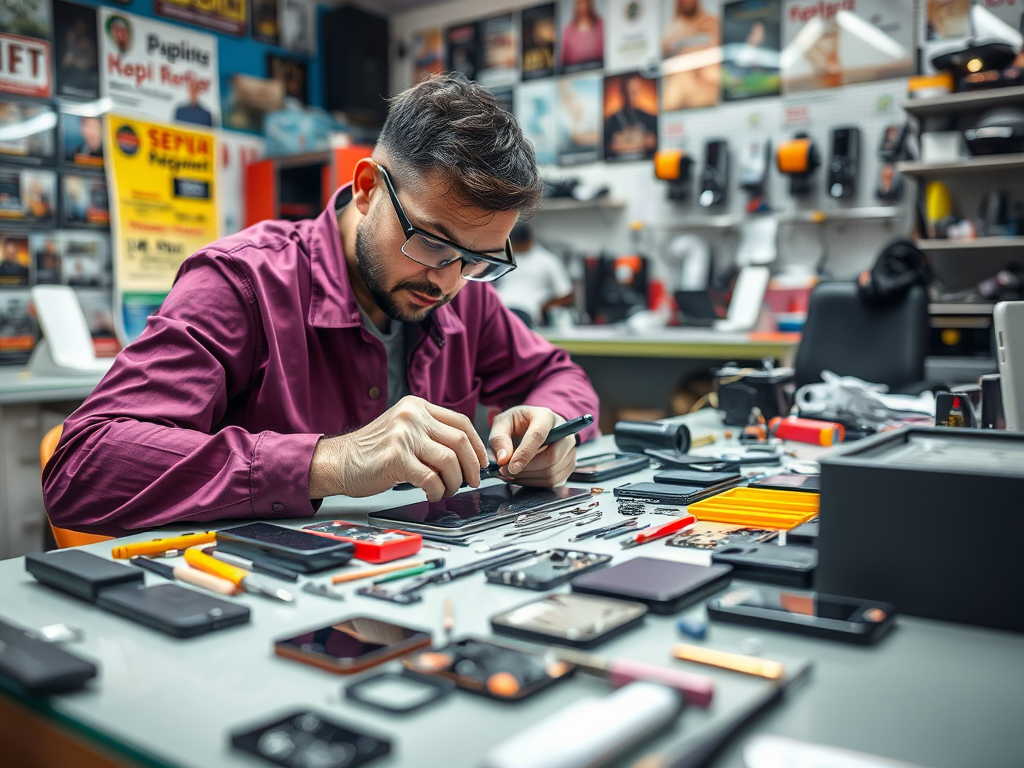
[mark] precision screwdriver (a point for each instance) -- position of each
(242, 578)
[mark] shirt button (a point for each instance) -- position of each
(277, 506)
(374, 392)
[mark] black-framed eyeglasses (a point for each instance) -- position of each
(437, 253)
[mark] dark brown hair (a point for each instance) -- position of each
(455, 127)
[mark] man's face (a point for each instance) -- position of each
(687, 8)
(11, 252)
(632, 91)
(92, 135)
(407, 291)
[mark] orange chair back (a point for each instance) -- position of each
(63, 536)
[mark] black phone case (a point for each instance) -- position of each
(697, 477)
(812, 484)
(315, 737)
(663, 493)
(39, 667)
(332, 554)
(636, 464)
(173, 609)
(664, 586)
(552, 568)
(805, 533)
(770, 563)
(80, 573)
(851, 632)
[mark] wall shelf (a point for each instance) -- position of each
(553, 204)
(982, 244)
(981, 164)
(735, 221)
(960, 308)
(963, 102)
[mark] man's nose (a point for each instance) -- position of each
(447, 279)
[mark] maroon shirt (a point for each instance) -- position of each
(257, 352)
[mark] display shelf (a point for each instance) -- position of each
(981, 164)
(960, 308)
(735, 221)
(553, 204)
(982, 244)
(963, 102)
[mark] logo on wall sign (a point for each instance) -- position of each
(127, 140)
(634, 10)
(119, 30)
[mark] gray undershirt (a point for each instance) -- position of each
(394, 346)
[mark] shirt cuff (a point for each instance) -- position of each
(279, 475)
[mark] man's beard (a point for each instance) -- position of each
(371, 268)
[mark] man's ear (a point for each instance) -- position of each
(364, 180)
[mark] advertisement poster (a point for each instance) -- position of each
(164, 71)
(26, 18)
(228, 16)
(81, 140)
(750, 49)
(28, 196)
(164, 206)
(265, 23)
(298, 26)
(506, 97)
(630, 117)
(538, 42)
(427, 54)
(44, 249)
(14, 260)
(535, 111)
(29, 133)
(579, 119)
(582, 35)
(498, 64)
(98, 308)
(17, 327)
(76, 50)
(463, 46)
(855, 41)
(25, 66)
(633, 35)
(294, 74)
(80, 259)
(947, 25)
(234, 152)
(691, 47)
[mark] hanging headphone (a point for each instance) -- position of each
(900, 266)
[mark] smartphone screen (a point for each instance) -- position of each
(803, 603)
(841, 143)
(278, 535)
(368, 533)
(353, 639)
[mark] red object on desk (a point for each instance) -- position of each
(662, 530)
(813, 431)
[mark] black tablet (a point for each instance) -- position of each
(476, 509)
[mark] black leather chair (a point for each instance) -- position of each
(881, 344)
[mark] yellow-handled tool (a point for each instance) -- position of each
(238, 576)
(734, 661)
(159, 546)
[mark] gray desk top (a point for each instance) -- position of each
(930, 693)
(21, 386)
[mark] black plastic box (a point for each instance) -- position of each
(927, 519)
(81, 574)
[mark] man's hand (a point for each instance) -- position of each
(415, 442)
(531, 463)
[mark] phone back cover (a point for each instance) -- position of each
(665, 586)
(173, 609)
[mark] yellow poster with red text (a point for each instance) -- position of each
(163, 207)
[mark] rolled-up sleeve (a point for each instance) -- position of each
(148, 447)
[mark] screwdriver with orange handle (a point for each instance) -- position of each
(160, 546)
(662, 530)
(237, 576)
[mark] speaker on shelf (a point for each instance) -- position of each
(355, 45)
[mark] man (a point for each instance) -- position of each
(193, 111)
(340, 355)
(631, 133)
(12, 269)
(90, 150)
(539, 281)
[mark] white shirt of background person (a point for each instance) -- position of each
(539, 279)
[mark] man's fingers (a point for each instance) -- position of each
(529, 445)
(463, 424)
(551, 471)
(501, 437)
(422, 476)
(459, 442)
(444, 461)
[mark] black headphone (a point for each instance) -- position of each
(900, 266)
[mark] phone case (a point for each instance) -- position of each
(628, 465)
(40, 667)
(497, 671)
(547, 570)
(173, 609)
(581, 621)
(664, 493)
(306, 738)
(664, 586)
(80, 573)
(302, 648)
(1008, 319)
(770, 563)
(255, 541)
(697, 477)
(788, 482)
(373, 544)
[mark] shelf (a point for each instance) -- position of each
(552, 204)
(981, 164)
(962, 102)
(993, 244)
(735, 221)
(960, 308)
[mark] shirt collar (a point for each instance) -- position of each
(333, 302)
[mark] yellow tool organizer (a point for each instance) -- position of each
(758, 508)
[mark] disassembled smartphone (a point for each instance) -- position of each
(546, 570)
(807, 613)
(373, 544)
(352, 645)
(581, 621)
(293, 549)
(497, 671)
(307, 738)
(594, 469)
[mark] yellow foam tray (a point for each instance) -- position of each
(758, 508)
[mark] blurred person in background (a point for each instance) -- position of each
(540, 281)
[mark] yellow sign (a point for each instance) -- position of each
(164, 209)
(230, 16)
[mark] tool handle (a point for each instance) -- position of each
(749, 665)
(370, 572)
(664, 530)
(567, 428)
(198, 559)
(159, 546)
(698, 689)
(205, 580)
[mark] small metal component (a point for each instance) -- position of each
(324, 590)
(59, 634)
(595, 490)
(442, 547)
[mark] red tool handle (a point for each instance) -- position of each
(664, 530)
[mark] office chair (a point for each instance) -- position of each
(63, 536)
(881, 344)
